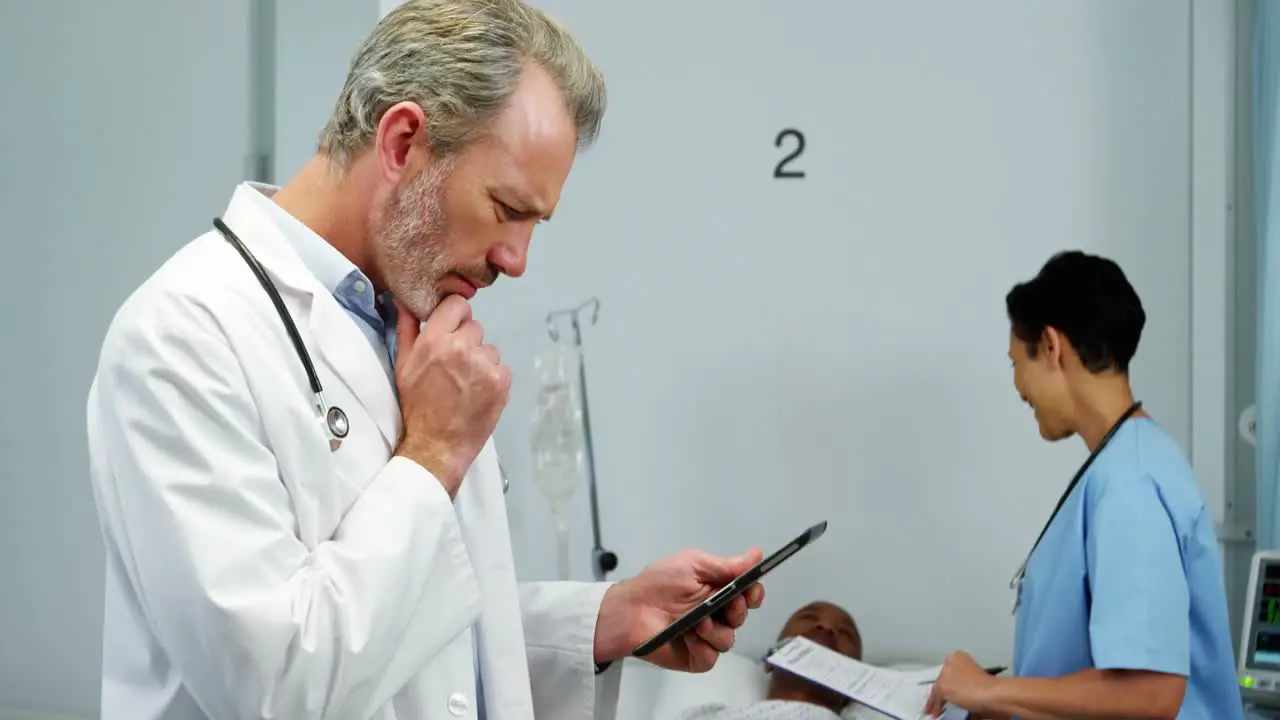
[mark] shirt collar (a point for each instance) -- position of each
(324, 261)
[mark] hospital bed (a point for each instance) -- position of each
(651, 693)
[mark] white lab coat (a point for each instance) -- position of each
(252, 572)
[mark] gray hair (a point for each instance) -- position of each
(460, 61)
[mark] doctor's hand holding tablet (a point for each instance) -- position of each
(453, 388)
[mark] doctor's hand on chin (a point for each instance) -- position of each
(635, 609)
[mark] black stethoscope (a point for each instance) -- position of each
(1016, 583)
(337, 425)
(331, 416)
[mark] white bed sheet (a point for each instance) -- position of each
(650, 693)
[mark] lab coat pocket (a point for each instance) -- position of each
(358, 459)
(325, 482)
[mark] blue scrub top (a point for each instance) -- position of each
(1128, 576)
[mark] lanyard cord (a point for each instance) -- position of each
(1076, 480)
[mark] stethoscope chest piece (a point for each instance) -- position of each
(337, 421)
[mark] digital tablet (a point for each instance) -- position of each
(724, 595)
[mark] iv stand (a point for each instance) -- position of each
(603, 561)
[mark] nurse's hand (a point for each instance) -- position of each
(634, 610)
(962, 683)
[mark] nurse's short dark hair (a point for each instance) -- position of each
(1088, 299)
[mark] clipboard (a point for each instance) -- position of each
(890, 693)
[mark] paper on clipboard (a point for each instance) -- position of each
(895, 694)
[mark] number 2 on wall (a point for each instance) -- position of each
(780, 170)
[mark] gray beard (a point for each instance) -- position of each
(409, 241)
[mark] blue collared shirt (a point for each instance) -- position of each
(375, 315)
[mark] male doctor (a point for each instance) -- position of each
(260, 565)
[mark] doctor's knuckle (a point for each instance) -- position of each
(455, 348)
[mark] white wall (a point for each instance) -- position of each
(315, 43)
(772, 352)
(120, 142)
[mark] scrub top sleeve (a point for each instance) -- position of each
(1140, 614)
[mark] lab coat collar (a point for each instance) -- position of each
(335, 338)
(322, 259)
(267, 241)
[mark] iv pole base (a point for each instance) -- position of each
(604, 562)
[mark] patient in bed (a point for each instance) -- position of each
(792, 697)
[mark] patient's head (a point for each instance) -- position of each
(828, 625)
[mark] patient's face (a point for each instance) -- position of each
(1041, 384)
(828, 625)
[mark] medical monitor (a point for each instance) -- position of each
(1258, 667)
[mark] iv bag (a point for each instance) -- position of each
(557, 438)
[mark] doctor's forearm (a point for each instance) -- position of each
(561, 621)
(1112, 694)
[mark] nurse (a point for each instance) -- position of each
(1120, 609)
